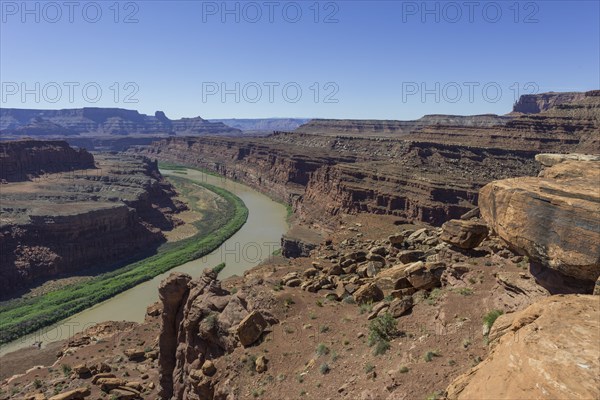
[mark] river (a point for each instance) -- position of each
(254, 242)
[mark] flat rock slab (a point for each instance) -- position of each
(547, 351)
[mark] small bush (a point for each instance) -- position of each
(381, 330)
(366, 307)
(435, 396)
(322, 349)
(434, 296)
(490, 318)
(430, 354)
(324, 328)
(334, 356)
(349, 300)
(37, 383)
(217, 269)
(66, 369)
(404, 370)
(465, 291)
(381, 347)
(369, 367)
(324, 368)
(288, 301)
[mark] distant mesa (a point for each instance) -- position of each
(90, 121)
(536, 103)
(267, 125)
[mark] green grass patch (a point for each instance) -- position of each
(19, 317)
(491, 317)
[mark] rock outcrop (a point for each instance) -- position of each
(553, 218)
(22, 160)
(536, 103)
(299, 242)
(200, 322)
(549, 350)
(464, 234)
(64, 223)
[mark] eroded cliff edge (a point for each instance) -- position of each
(429, 173)
(96, 213)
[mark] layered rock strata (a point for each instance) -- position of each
(65, 223)
(431, 174)
(554, 218)
(548, 350)
(22, 160)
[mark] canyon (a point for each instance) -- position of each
(65, 211)
(429, 172)
(443, 258)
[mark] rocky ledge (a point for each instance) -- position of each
(60, 224)
(549, 350)
(553, 218)
(22, 160)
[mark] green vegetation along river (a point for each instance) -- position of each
(253, 242)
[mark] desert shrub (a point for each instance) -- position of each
(322, 349)
(218, 268)
(430, 354)
(381, 330)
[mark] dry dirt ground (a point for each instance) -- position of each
(319, 349)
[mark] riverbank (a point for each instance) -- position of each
(21, 316)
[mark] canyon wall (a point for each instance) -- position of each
(63, 224)
(427, 173)
(535, 103)
(24, 159)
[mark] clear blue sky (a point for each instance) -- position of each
(375, 58)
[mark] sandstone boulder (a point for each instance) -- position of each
(261, 364)
(398, 307)
(251, 328)
(122, 393)
(552, 218)
(465, 234)
(396, 239)
(421, 277)
(76, 394)
(409, 256)
(108, 384)
(99, 376)
(135, 354)
(369, 292)
(82, 371)
(549, 350)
